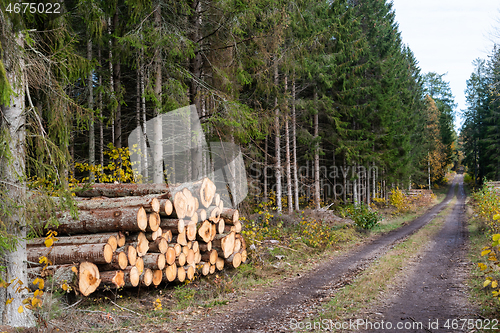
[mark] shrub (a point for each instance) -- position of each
(399, 200)
(362, 215)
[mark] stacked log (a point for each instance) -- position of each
(128, 235)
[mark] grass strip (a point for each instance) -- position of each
(375, 280)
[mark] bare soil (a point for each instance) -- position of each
(433, 297)
(273, 309)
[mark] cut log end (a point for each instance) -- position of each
(88, 278)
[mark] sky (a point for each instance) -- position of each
(447, 35)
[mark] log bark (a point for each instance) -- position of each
(205, 247)
(154, 261)
(68, 254)
(146, 201)
(114, 279)
(76, 240)
(234, 260)
(123, 190)
(225, 242)
(230, 216)
(88, 278)
(174, 225)
(102, 220)
(160, 245)
(210, 257)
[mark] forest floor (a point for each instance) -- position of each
(414, 277)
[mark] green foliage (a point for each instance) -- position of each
(363, 216)
(487, 204)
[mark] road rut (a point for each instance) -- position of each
(273, 312)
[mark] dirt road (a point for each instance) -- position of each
(433, 298)
(273, 311)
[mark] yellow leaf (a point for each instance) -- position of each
(41, 284)
(9, 301)
(74, 270)
(494, 284)
(496, 217)
(20, 309)
(48, 242)
(64, 286)
(485, 252)
(496, 237)
(486, 283)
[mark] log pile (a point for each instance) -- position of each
(128, 235)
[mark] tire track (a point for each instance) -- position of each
(435, 295)
(272, 314)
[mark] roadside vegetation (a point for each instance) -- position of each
(280, 247)
(484, 227)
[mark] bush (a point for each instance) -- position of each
(362, 215)
(399, 200)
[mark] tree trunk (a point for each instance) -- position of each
(117, 88)
(144, 148)
(67, 254)
(158, 177)
(91, 120)
(316, 156)
(277, 147)
(294, 144)
(101, 122)
(12, 172)
(122, 190)
(287, 158)
(265, 170)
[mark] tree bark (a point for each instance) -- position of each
(277, 144)
(12, 172)
(287, 157)
(122, 190)
(294, 144)
(316, 156)
(90, 84)
(158, 177)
